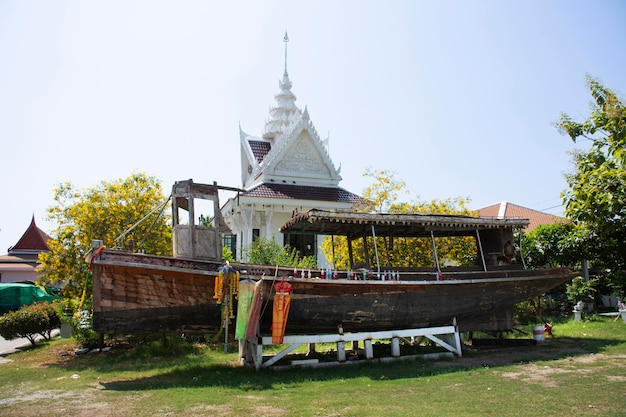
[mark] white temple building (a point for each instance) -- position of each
(286, 170)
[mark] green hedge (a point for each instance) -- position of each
(30, 321)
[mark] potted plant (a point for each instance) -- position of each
(65, 311)
(581, 292)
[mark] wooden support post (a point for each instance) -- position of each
(253, 353)
(242, 347)
(350, 254)
(355, 345)
(369, 350)
(311, 348)
(395, 347)
(366, 253)
(449, 339)
(341, 351)
(258, 355)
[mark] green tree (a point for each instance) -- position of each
(104, 212)
(555, 245)
(383, 192)
(580, 290)
(596, 194)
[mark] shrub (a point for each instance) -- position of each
(83, 331)
(65, 307)
(581, 290)
(30, 321)
(227, 254)
(268, 252)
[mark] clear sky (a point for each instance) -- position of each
(458, 98)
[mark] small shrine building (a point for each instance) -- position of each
(285, 170)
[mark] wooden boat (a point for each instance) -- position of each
(485, 302)
(144, 293)
(135, 293)
(480, 297)
(139, 293)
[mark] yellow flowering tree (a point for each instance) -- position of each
(103, 212)
(383, 192)
(383, 195)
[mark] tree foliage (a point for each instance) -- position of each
(402, 252)
(580, 290)
(596, 194)
(555, 245)
(103, 212)
(383, 192)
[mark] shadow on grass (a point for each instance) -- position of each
(40, 345)
(197, 373)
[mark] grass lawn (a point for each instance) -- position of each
(581, 370)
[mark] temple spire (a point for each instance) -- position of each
(286, 40)
(285, 113)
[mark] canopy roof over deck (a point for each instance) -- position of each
(355, 225)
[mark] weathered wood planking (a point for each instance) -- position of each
(136, 293)
(477, 304)
(131, 297)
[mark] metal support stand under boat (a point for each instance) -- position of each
(447, 337)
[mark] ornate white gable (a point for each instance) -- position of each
(300, 158)
(290, 150)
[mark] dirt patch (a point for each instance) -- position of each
(544, 374)
(213, 410)
(25, 395)
(537, 374)
(553, 349)
(266, 410)
(81, 403)
(225, 410)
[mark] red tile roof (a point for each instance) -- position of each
(302, 192)
(508, 210)
(259, 149)
(33, 239)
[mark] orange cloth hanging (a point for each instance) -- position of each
(282, 301)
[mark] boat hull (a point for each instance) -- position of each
(135, 293)
(321, 306)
